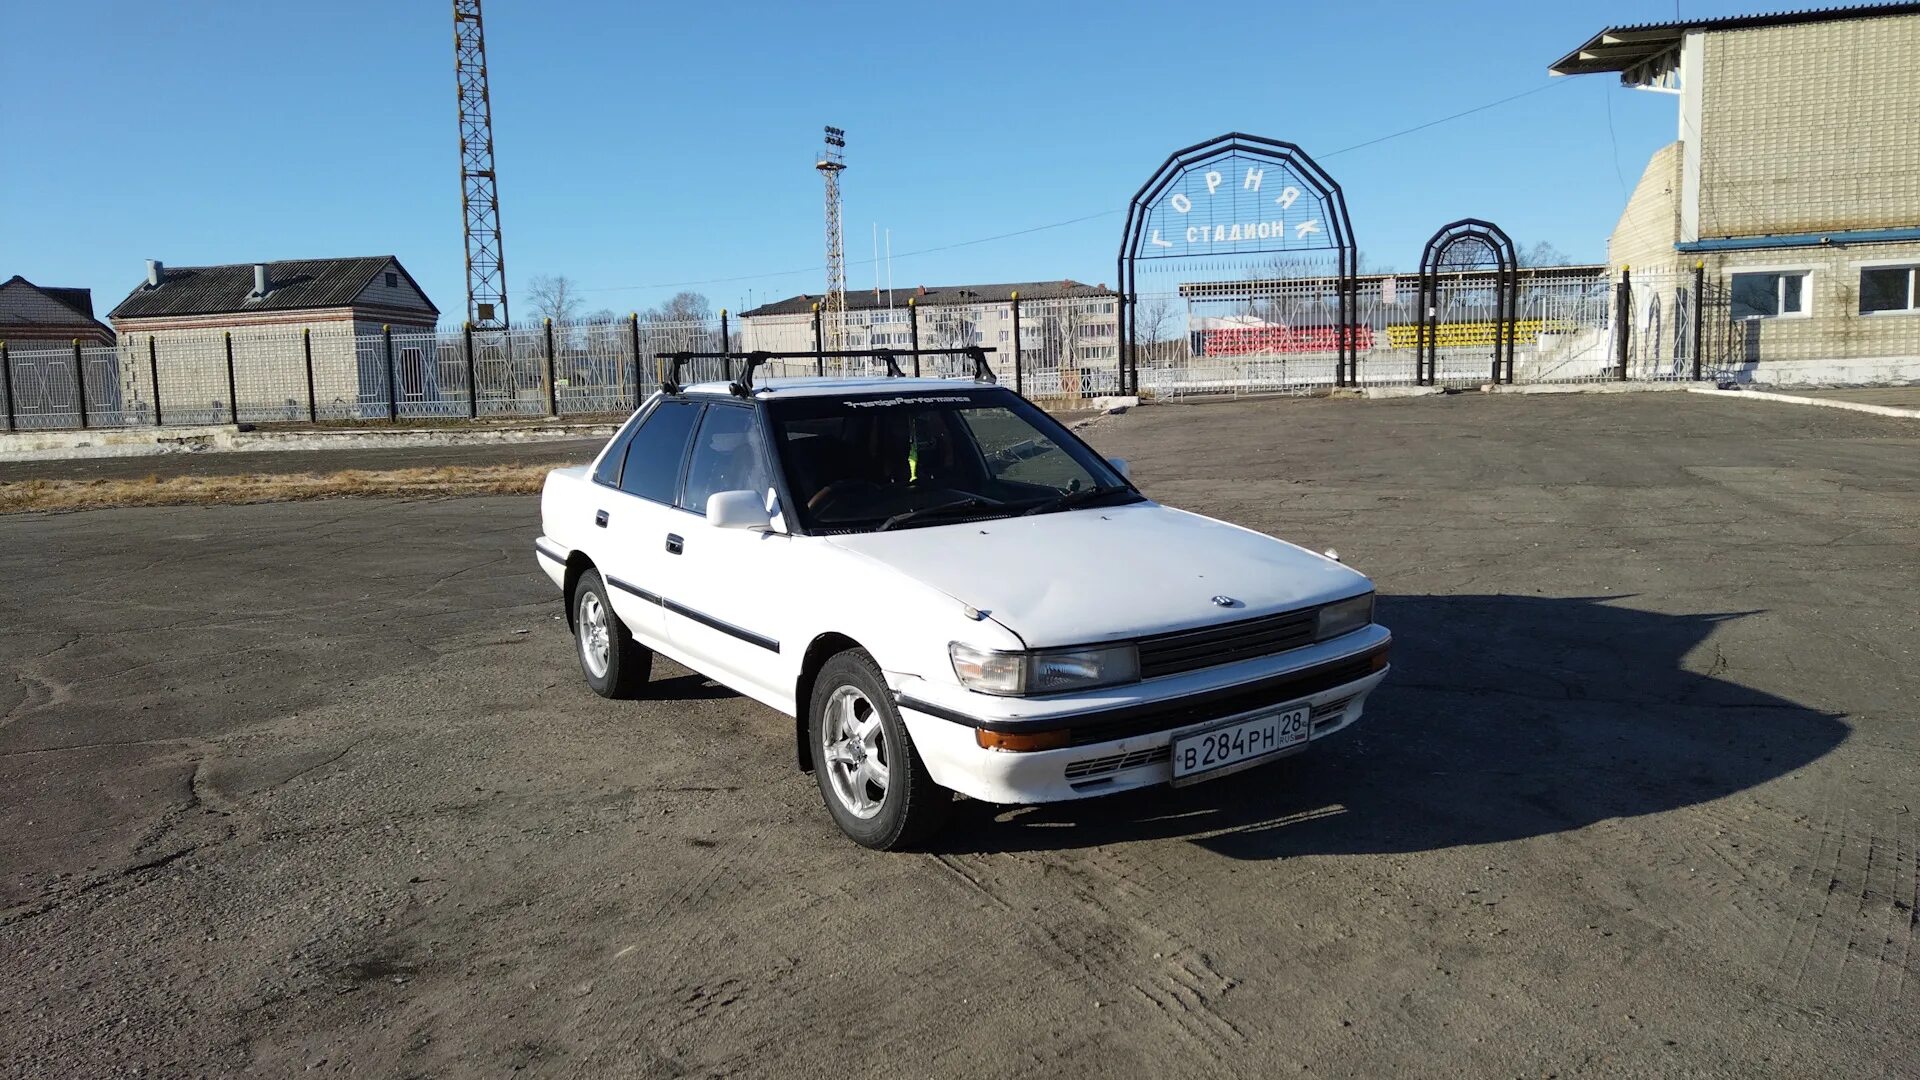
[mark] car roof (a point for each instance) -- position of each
(780, 389)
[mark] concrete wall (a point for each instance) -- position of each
(1811, 128)
(1650, 225)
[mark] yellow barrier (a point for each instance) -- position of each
(1468, 334)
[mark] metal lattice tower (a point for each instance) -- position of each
(479, 197)
(833, 313)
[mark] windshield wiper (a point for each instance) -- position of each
(1067, 500)
(971, 502)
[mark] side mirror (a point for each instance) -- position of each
(1120, 466)
(737, 510)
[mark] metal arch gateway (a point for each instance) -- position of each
(1506, 288)
(1177, 214)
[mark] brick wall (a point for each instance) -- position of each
(1811, 128)
(1833, 332)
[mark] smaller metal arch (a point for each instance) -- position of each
(1506, 296)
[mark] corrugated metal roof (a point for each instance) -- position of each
(294, 285)
(1620, 47)
(935, 296)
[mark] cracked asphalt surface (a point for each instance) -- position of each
(316, 788)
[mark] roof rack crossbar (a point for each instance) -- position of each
(669, 372)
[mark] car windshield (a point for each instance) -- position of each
(858, 464)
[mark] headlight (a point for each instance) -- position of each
(1048, 671)
(1344, 617)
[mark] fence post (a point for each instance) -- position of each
(1016, 342)
(306, 353)
(633, 332)
(233, 391)
(80, 379)
(473, 382)
(913, 331)
(1623, 314)
(393, 377)
(553, 389)
(726, 342)
(153, 373)
(6, 375)
(819, 359)
(1699, 313)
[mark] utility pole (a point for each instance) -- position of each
(479, 196)
(832, 161)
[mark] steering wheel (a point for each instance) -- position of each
(837, 489)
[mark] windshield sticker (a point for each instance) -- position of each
(877, 402)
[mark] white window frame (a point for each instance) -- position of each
(1806, 288)
(1911, 265)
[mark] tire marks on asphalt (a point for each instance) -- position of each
(1107, 928)
(1849, 946)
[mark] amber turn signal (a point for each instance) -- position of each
(1021, 740)
(1378, 661)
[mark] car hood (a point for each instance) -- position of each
(1109, 573)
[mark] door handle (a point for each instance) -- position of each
(675, 544)
(600, 518)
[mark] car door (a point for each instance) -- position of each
(730, 596)
(635, 507)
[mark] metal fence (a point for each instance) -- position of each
(1282, 337)
(1279, 338)
(334, 374)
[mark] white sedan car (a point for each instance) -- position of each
(949, 592)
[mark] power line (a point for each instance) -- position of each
(1445, 119)
(1069, 221)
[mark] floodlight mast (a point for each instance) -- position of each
(833, 313)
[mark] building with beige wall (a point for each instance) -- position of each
(1064, 325)
(1794, 180)
(183, 316)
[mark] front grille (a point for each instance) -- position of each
(1224, 643)
(1134, 720)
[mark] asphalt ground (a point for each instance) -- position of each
(316, 788)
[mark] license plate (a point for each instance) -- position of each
(1243, 742)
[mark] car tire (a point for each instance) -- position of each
(616, 666)
(871, 778)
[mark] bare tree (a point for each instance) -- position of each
(1154, 319)
(681, 324)
(681, 307)
(1542, 254)
(554, 296)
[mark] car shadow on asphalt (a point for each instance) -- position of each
(1504, 717)
(689, 687)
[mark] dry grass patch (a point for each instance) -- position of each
(209, 490)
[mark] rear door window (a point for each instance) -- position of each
(726, 457)
(658, 450)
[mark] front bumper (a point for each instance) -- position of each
(1122, 741)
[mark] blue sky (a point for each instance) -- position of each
(648, 147)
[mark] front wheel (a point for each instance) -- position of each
(870, 776)
(616, 666)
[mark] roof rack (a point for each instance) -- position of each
(741, 387)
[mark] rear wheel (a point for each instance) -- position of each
(871, 777)
(616, 666)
